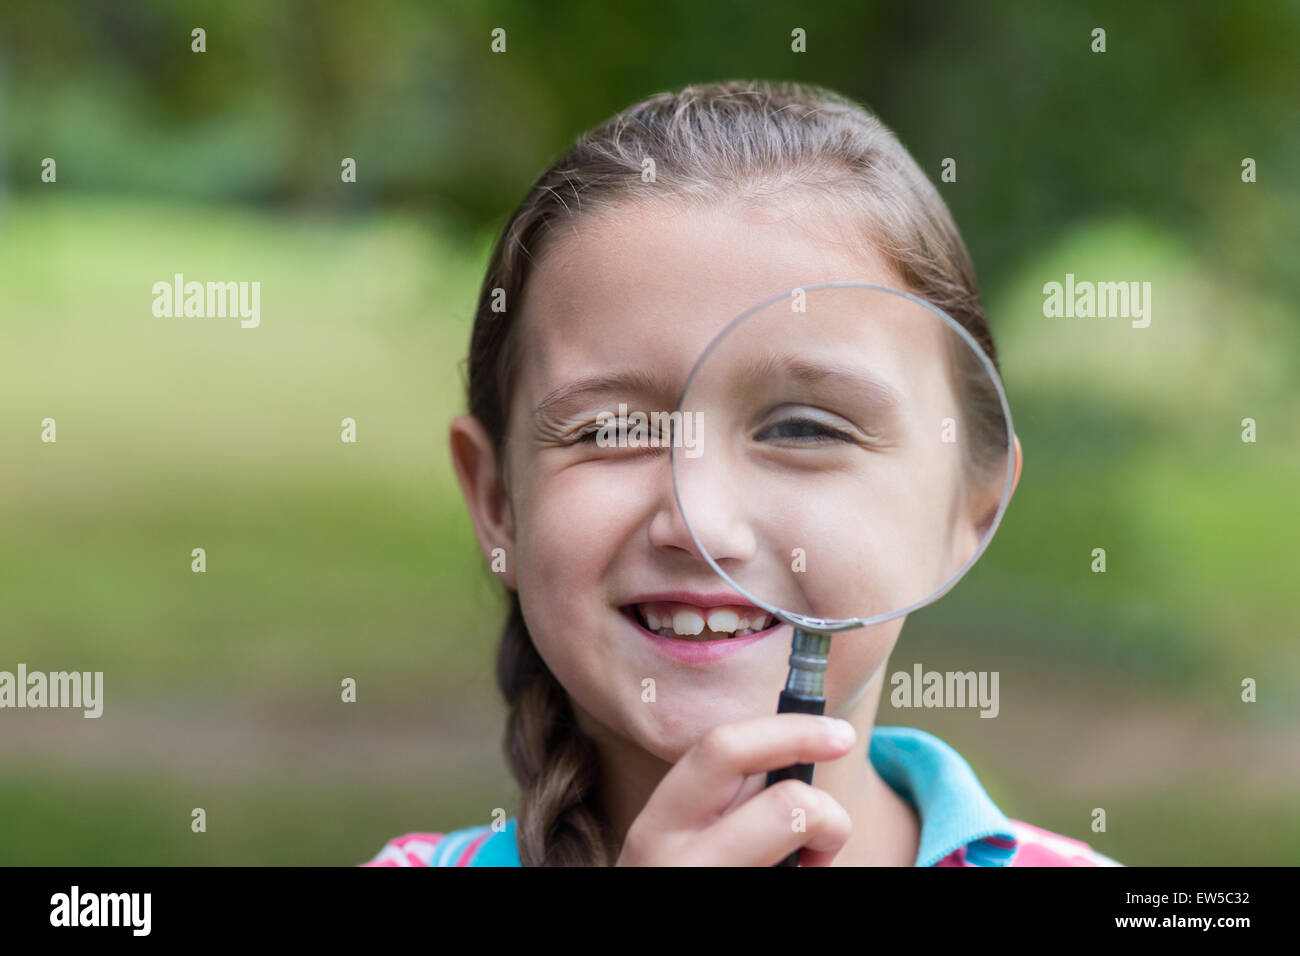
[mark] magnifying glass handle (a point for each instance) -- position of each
(796, 704)
(803, 694)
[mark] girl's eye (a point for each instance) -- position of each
(616, 427)
(591, 432)
(806, 431)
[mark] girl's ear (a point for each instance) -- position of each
(482, 484)
(1015, 482)
(984, 508)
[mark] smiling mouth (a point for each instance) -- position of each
(691, 623)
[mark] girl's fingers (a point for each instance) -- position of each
(776, 822)
(809, 857)
(707, 780)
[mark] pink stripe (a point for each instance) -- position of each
(473, 848)
(406, 838)
(1039, 847)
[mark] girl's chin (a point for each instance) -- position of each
(669, 739)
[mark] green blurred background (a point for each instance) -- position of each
(326, 560)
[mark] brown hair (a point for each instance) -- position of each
(708, 142)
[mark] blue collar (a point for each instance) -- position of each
(955, 811)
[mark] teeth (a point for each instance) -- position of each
(688, 622)
(723, 619)
(684, 620)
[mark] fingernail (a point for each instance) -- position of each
(842, 731)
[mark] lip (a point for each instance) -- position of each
(697, 652)
(698, 598)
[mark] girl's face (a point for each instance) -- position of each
(618, 311)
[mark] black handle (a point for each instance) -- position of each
(792, 703)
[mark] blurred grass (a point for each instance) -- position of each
(129, 818)
(328, 560)
(183, 433)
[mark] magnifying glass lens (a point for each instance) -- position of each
(851, 454)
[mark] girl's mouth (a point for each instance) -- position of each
(688, 622)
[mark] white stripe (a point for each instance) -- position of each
(392, 851)
(450, 848)
(423, 849)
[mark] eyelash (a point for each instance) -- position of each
(822, 432)
(588, 435)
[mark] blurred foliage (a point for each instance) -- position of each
(360, 560)
(1045, 132)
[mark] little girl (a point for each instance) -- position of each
(628, 256)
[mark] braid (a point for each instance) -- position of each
(556, 765)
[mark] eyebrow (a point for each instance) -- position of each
(632, 380)
(639, 381)
(877, 392)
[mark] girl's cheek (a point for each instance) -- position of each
(857, 657)
(573, 522)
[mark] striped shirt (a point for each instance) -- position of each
(960, 824)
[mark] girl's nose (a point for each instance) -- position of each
(712, 509)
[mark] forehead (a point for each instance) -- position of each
(649, 286)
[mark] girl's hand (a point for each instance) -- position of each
(712, 809)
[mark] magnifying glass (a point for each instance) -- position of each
(854, 457)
